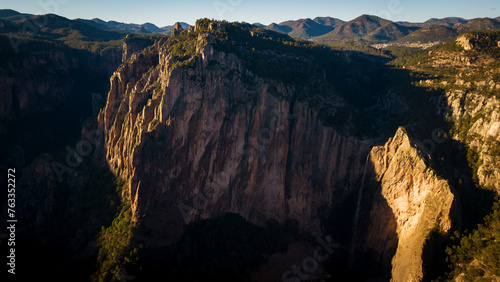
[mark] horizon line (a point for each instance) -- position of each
(305, 18)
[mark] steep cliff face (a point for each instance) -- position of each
(133, 44)
(478, 116)
(196, 132)
(469, 77)
(229, 142)
(205, 136)
(410, 202)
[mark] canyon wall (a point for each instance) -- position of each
(228, 143)
(212, 137)
(200, 136)
(408, 201)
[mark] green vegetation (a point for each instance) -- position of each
(94, 46)
(65, 244)
(476, 255)
(450, 46)
(183, 50)
(147, 38)
(494, 149)
(182, 47)
(358, 45)
(114, 242)
(97, 195)
(71, 33)
(404, 56)
(474, 163)
(102, 196)
(477, 24)
(275, 55)
(434, 33)
(485, 42)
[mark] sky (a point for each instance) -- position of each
(163, 13)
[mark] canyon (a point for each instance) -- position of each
(219, 119)
(262, 156)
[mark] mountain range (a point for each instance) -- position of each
(367, 28)
(14, 16)
(373, 29)
(306, 28)
(135, 28)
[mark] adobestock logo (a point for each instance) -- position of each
(393, 7)
(222, 7)
(311, 264)
(74, 156)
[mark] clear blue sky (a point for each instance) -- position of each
(164, 13)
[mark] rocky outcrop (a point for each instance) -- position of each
(410, 202)
(477, 119)
(465, 42)
(133, 44)
(228, 143)
(212, 137)
(471, 100)
(177, 29)
(477, 40)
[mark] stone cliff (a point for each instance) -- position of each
(409, 202)
(211, 137)
(469, 79)
(133, 44)
(196, 131)
(228, 143)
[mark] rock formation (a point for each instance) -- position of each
(133, 44)
(196, 132)
(410, 202)
(222, 135)
(465, 42)
(177, 29)
(230, 142)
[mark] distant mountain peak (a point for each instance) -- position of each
(258, 24)
(369, 28)
(306, 28)
(328, 21)
(372, 18)
(8, 13)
